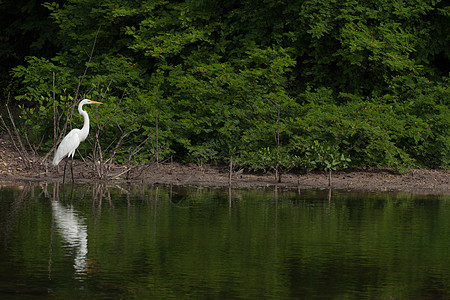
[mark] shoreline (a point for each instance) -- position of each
(416, 181)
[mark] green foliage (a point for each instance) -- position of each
(267, 159)
(366, 80)
(327, 157)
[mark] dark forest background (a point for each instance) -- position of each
(273, 84)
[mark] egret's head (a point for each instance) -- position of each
(87, 101)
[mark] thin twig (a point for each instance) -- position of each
(19, 146)
(54, 110)
(77, 93)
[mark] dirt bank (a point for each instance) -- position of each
(12, 169)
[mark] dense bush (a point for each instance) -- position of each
(276, 84)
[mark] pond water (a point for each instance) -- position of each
(143, 242)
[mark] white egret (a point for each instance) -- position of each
(73, 139)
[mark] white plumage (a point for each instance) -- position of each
(68, 145)
(73, 139)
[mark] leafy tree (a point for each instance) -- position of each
(206, 80)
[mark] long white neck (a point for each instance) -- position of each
(85, 130)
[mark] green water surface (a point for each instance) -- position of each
(144, 242)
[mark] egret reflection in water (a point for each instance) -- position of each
(179, 242)
(73, 230)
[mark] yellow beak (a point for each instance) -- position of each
(94, 102)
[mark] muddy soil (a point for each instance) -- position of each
(13, 169)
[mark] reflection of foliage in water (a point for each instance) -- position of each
(169, 242)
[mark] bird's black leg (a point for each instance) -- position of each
(71, 168)
(64, 176)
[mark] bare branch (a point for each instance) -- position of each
(77, 92)
(15, 137)
(71, 109)
(54, 110)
